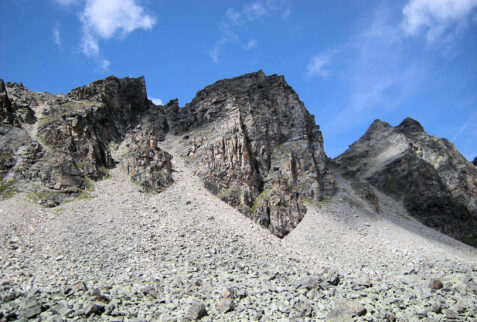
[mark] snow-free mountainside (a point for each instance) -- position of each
(113, 208)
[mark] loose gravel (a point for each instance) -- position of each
(125, 255)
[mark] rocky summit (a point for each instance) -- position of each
(114, 208)
(436, 184)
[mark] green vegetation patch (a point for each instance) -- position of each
(264, 196)
(308, 200)
(7, 188)
(225, 193)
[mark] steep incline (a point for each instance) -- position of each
(437, 185)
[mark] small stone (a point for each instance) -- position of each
(333, 279)
(471, 287)
(309, 283)
(451, 315)
(345, 310)
(79, 286)
(59, 308)
(226, 306)
(436, 308)
(196, 311)
(259, 315)
(31, 308)
(389, 317)
(229, 293)
(93, 308)
(435, 284)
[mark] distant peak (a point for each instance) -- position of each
(378, 125)
(410, 125)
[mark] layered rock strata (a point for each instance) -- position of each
(254, 144)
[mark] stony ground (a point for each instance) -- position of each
(123, 255)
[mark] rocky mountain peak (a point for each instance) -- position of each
(409, 125)
(433, 180)
(255, 145)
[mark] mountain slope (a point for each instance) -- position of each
(152, 256)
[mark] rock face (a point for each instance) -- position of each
(437, 185)
(250, 139)
(254, 144)
(475, 161)
(53, 144)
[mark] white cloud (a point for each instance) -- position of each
(57, 35)
(68, 2)
(254, 11)
(319, 64)
(234, 19)
(105, 18)
(252, 43)
(156, 101)
(440, 19)
(89, 44)
(105, 64)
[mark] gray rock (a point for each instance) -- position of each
(435, 284)
(31, 307)
(345, 310)
(59, 308)
(310, 283)
(93, 309)
(226, 306)
(196, 311)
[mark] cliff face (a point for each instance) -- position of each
(54, 143)
(436, 183)
(255, 145)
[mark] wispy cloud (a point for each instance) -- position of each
(319, 64)
(105, 64)
(234, 19)
(156, 101)
(377, 73)
(57, 35)
(68, 2)
(438, 19)
(252, 43)
(254, 11)
(464, 126)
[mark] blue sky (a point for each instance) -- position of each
(350, 61)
